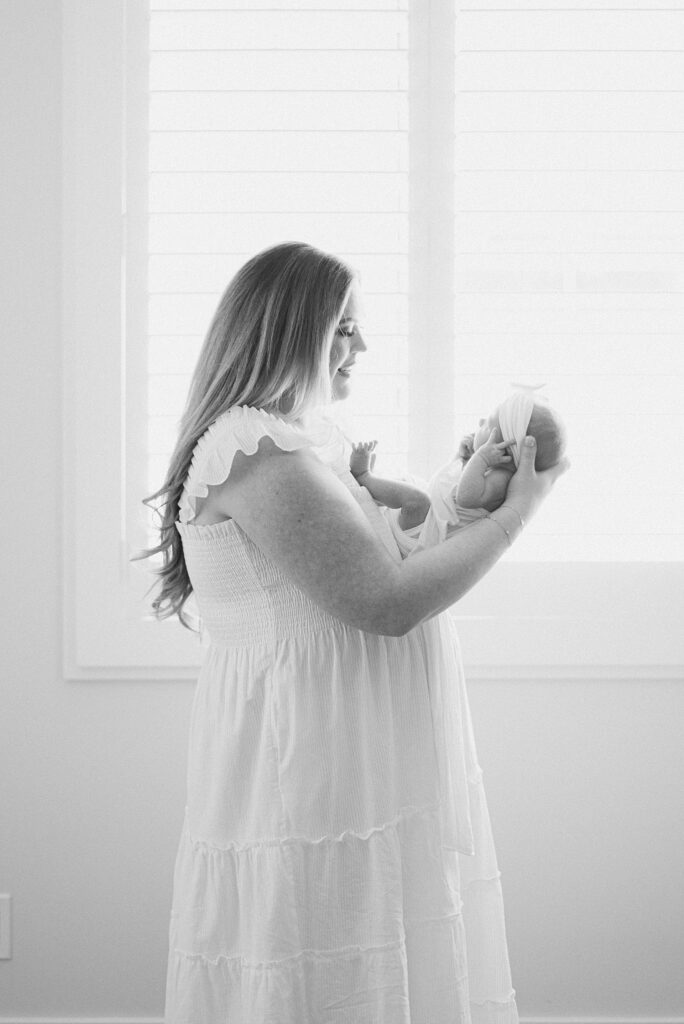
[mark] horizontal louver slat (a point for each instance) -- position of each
(614, 28)
(579, 71)
(270, 71)
(263, 191)
(569, 231)
(262, 151)
(560, 110)
(570, 151)
(278, 5)
(362, 232)
(281, 110)
(273, 30)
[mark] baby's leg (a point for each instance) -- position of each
(413, 511)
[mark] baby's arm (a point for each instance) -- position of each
(413, 502)
(477, 490)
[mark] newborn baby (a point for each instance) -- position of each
(474, 483)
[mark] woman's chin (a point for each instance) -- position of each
(340, 387)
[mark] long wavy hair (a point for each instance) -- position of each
(268, 346)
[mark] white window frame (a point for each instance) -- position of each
(524, 620)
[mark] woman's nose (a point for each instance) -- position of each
(359, 343)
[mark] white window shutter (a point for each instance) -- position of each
(270, 125)
(570, 266)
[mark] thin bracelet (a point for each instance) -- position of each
(501, 526)
(522, 521)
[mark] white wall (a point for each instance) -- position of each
(92, 773)
(583, 778)
(584, 783)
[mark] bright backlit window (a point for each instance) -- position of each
(508, 182)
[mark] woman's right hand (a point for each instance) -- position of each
(528, 488)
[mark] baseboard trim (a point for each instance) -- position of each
(81, 1020)
(523, 1020)
(598, 1020)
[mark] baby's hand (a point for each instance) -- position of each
(466, 449)
(493, 453)
(362, 458)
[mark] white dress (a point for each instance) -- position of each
(336, 864)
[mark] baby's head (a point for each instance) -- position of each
(549, 432)
(544, 426)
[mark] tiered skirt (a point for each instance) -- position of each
(336, 864)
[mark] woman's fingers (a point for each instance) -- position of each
(527, 455)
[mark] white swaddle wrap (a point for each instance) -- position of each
(514, 417)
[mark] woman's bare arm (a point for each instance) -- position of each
(304, 519)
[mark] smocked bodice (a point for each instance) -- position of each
(243, 598)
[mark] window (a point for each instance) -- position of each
(507, 182)
(272, 125)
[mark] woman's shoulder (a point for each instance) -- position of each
(243, 428)
(247, 430)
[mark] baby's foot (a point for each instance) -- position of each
(362, 457)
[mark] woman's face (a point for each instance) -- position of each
(347, 342)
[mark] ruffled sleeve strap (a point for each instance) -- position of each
(240, 430)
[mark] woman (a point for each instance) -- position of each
(336, 864)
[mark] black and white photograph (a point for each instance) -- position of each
(343, 604)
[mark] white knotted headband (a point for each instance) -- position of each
(514, 415)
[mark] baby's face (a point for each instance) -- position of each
(485, 428)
